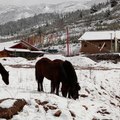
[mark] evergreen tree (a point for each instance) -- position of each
(107, 13)
(113, 3)
(93, 9)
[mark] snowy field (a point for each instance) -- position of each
(99, 95)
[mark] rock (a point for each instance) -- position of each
(58, 113)
(72, 113)
(8, 113)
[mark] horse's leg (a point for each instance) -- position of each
(57, 88)
(69, 95)
(52, 87)
(64, 90)
(40, 83)
(64, 93)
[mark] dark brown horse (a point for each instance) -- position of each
(57, 72)
(52, 70)
(4, 74)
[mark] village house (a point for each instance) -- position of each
(27, 47)
(100, 42)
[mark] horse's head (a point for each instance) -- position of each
(5, 77)
(4, 74)
(74, 91)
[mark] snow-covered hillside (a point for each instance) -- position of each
(15, 12)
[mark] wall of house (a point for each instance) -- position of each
(3, 54)
(98, 46)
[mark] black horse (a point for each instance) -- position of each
(71, 86)
(57, 72)
(4, 74)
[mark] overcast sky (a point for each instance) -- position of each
(31, 2)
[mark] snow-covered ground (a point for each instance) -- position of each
(99, 95)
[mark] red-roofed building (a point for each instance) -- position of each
(21, 49)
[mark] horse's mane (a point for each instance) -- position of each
(63, 72)
(70, 71)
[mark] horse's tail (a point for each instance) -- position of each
(36, 72)
(36, 75)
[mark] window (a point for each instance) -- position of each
(85, 45)
(100, 45)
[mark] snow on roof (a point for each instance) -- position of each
(17, 50)
(22, 50)
(7, 44)
(100, 35)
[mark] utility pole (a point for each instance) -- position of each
(111, 42)
(116, 47)
(67, 43)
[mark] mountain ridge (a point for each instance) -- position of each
(14, 12)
